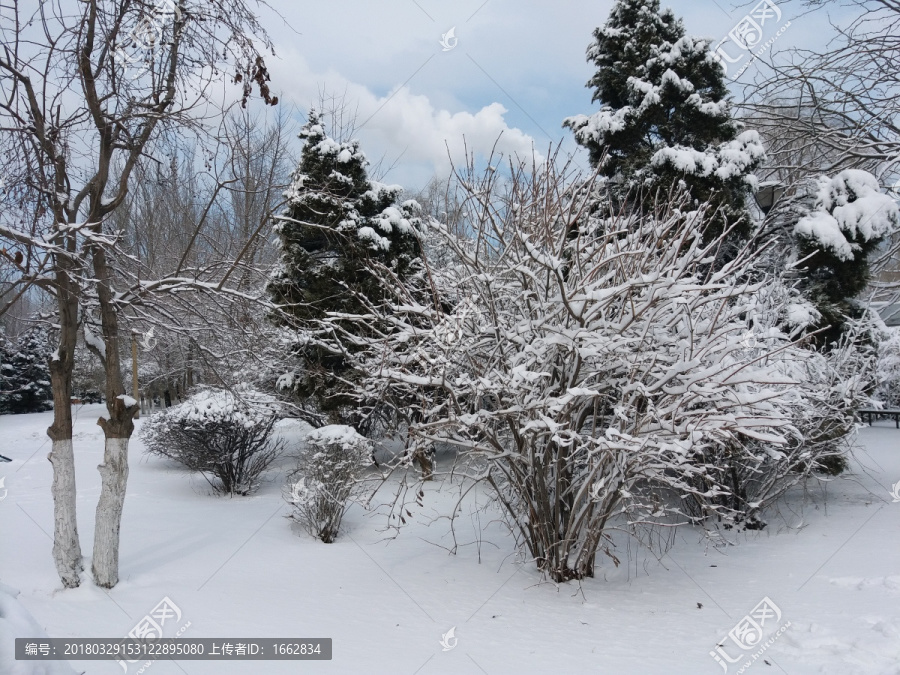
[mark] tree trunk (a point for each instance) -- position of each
(66, 547)
(114, 477)
(189, 375)
(117, 429)
(135, 389)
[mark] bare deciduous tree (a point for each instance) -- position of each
(836, 109)
(83, 94)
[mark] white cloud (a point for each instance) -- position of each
(402, 121)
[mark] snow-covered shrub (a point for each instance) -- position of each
(607, 371)
(819, 391)
(601, 372)
(835, 386)
(327, 479)
(224, 435)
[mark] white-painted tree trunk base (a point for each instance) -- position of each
(114, 476)
(66, 547)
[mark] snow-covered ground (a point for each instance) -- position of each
(237, 568)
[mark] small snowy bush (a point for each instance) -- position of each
(328, 478)
(223, 435)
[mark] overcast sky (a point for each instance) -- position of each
(515, 66)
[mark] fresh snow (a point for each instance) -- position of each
(366, 233)
(849, 205)
(336, 434)
(602, 122)
(16, 621)
(127, 400)
(801, 314)
(237, 568)
(94, 341)
(730, 159)
(216, 406)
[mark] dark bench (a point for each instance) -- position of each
(872, 413)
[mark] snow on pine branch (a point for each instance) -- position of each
(727, 160)
(849, 208)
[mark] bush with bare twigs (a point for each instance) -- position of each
(328, 477)
(225, 436)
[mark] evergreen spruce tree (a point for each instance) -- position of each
(838, 224)
(665, 119)
(338, 224)
(6, 371)
(25, 373)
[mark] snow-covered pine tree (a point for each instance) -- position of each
(338, 225)
(665, 116)
(848, 219)
(25, 373)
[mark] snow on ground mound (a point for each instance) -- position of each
(16, 621)
(237, 568)
(337, 434)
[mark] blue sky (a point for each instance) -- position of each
(517, 67)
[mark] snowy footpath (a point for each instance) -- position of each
(821, 582)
